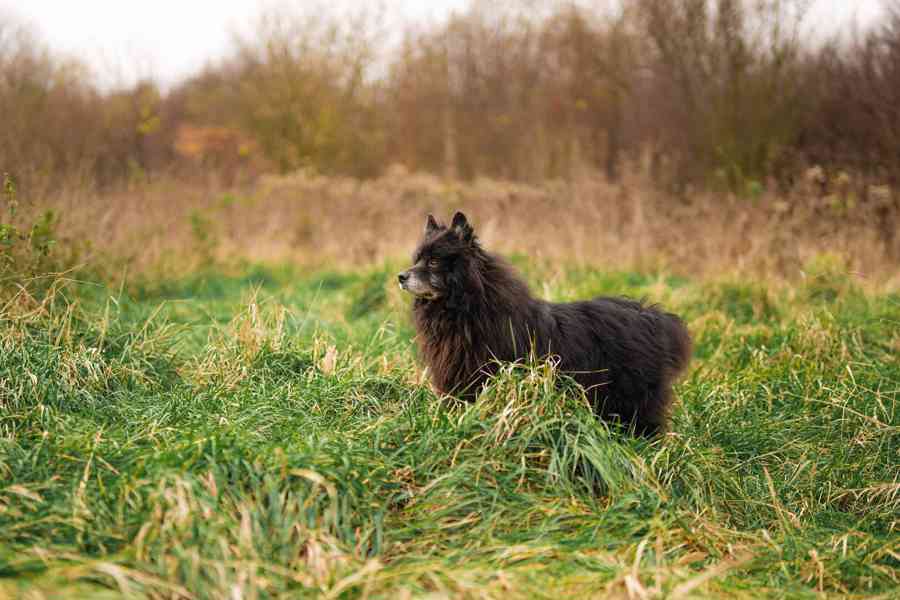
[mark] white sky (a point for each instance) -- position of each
(168, 39)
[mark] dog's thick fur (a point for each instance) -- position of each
(471, 310)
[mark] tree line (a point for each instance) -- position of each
(718, 93)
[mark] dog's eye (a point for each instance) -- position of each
(434, 263)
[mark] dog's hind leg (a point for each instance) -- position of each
(653, 417)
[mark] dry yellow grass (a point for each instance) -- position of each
(314, 220)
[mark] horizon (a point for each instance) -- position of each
(123, 45)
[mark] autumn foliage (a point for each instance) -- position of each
(723, 94)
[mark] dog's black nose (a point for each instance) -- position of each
(403, 276)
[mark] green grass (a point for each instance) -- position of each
(269, 434)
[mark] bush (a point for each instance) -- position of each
(25, 245)
(33, 256)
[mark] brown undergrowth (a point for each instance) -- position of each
(314, 220)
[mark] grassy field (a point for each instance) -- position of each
(267, 433)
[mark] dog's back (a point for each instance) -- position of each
(626, 354)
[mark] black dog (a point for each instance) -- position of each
(471, 310)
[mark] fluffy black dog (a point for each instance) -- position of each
(472, 310)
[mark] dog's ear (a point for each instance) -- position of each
(431, 225)
(461, 227)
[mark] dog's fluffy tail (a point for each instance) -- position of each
(679, 345)
(676, 354)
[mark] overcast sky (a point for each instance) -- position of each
(125, 39)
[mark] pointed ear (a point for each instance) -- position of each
(461, 227)
(431, 225)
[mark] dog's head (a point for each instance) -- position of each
(445, 264)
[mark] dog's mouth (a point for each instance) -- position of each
(419, 292)
(421, 295)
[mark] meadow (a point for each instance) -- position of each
(264, 431)
(208, 382)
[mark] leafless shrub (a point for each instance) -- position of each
(856, 124)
